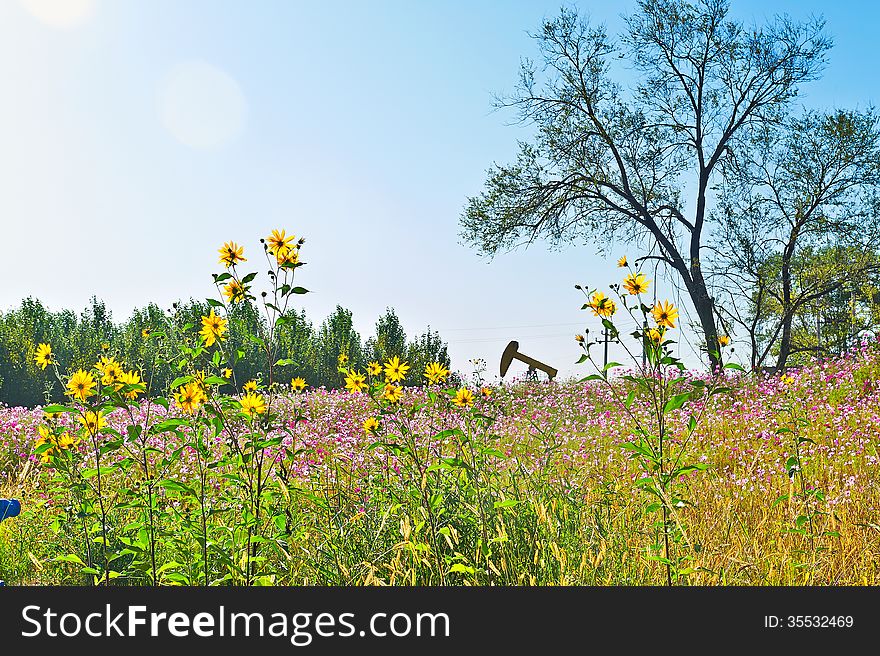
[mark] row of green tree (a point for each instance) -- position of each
(78, 340)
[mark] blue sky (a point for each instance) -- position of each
(136, 137)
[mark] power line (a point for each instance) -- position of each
(541, 325)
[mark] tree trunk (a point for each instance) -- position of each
(705, 311)
(787, 314)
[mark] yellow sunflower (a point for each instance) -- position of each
(81, 385)
(298, 384)
(374, 368)
(278, 241)
(355, 382)
(392, 392)
(636, 283)
(395, 370)
(231, 253)
(93, 421)
(665, 314)
(436, 373)
(287, 256)
(213, 328)
(43, 355)
(463, 397)
(371, 425)
(133, 379)
(601, 305)
(234, 291)
(252, 404)
(190, 397)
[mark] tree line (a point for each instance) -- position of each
(78, 340)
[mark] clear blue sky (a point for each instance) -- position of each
(136, 137)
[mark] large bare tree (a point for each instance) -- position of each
(608, 163)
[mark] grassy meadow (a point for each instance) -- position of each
(646, 474)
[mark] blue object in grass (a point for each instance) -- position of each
(9, 508)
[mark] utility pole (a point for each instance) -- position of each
(605, 363)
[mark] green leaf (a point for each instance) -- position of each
(57, 408)
(676, 402)
(629, 399)
(611, 365)
(221, 277)
(249, 277)
(180, 380)
(213, 302)
(69, 558)
(462, 569)
(299, 290)
(734, 366)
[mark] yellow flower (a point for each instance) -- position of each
(579, 338)
(298, 384)
(665, 314)
(81, 385)
(371, 425)
(355, 382)
(104, 362)
(52, 415)
(226, 373)
(45, 437)
(132, 378)
(436, 373)
(342, 360)
(199, 379)
(231, 253)
(234, 291)
(278, 241)
(656, 336)
(636, 283)
(250, 386)
(105, 346)
(622, 262)
(43, 356)
(190, 397)
(287, 256)
(485, 392)
(786, 380)
(93, 421)
(252, 404)
(601, 305)
(463, 397)
(395, 370)
(724, 340)
(66, 440)
(213, 328)
(145, 332)
(392, 392)
(112, 373)
(374, 368)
